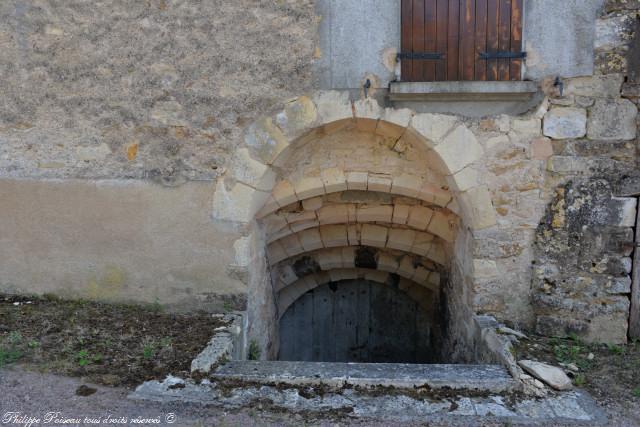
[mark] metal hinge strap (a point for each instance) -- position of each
(419, 55)
(503, 55)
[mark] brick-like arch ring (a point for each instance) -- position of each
(250, 178)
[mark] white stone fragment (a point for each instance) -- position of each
(551, 375)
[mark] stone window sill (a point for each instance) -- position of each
(462, 91)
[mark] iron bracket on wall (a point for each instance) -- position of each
(503, 55)
(419, 55)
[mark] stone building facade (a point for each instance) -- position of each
(238, 155)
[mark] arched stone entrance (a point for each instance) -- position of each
(330, 190)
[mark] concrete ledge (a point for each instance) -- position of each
(462, 91)
(489, 378)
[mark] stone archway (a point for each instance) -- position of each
(327, 177)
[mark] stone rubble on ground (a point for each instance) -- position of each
(551, 375)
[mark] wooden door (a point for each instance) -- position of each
(355, 321)
(453, 40)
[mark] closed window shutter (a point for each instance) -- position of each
(453, 40)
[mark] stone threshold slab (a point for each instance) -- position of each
(453, 409)
(490, 378)
(462, 91)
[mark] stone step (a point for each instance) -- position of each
(485, 378)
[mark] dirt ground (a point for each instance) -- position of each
(610, 373)
(120, 346)
(114, 345)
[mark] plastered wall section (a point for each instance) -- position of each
(123, 241)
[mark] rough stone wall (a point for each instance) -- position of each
(154, 89)
(581, 283)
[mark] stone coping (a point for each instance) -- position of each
(490, 378)
(462, 91)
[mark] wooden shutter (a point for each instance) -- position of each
(446, 40)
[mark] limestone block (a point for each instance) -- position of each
(464, 180)
(541, 149)
(379, 182)
(454, 207)
(293, 217)
(282, 233)
(269, 206)
(566, 164)
(598, 86)
(374, 213)
(626, 210)
(342, 274)
(419, 217)
(312, 204)
(251, 172)
(334, 236)
(303, 225)
(332, 106)
(434, 280)
(333, 214)
(611, 120)
(329, 259)
(406, 185)
(442, 225)
(565, 123)
(400, 214)
(367, 112)
(334, 180)
(434, 194)
(422, 244)
(265, 140)
(284, 193)
(401, 239)
(298, 116)
(377, 276)
(542, 108)
(353, 233)
(309, 187)
(274, 222)
(310, 239)
(276, 253)
(433, 127)
(352, 213)
(394, 122)
(459, 149)
(286, 277)
(613, 31)
(531, 126)
(348, 256)
(373, 235)
(406, 267)
(387, 263)
(437, 254)
(291, 245)
(477, 208)
(357, 180)
(421, 275)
